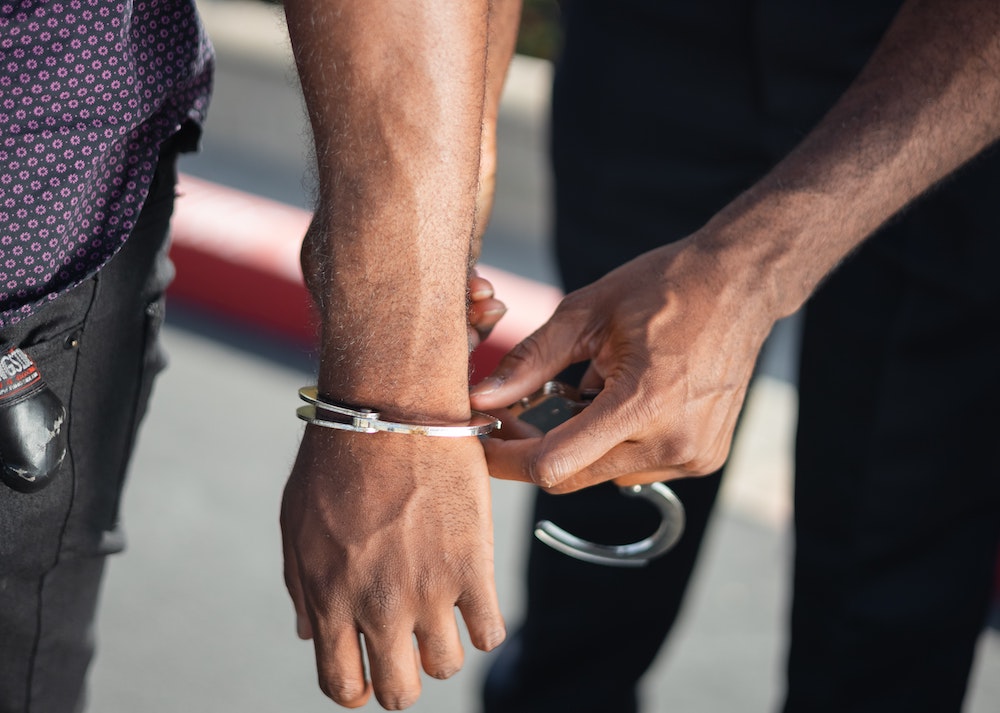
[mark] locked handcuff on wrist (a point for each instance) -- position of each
(550, 406)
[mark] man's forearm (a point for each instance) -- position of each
(928, 100)
(505, 16)
(396, 95)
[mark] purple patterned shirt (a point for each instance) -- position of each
(89, 90)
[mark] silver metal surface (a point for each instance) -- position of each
(556, 403)
(362, 420)
(633, 554)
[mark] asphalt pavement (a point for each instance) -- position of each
(195, 616)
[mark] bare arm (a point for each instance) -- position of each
(385, 534)
(674, 334)
(505, 16)
(396, 94)
(927, 102)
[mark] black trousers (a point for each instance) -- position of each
(96, 347)
(663, 112)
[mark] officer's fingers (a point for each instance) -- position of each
(511, 459)
(527, 366)
(592, 380)
(483, 317)
(479, 287)
(584, 440)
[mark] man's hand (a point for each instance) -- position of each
(674, 334)
(389, 557)
(374, 548)
(672, 343)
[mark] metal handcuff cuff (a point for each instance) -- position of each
(556, 403)
(343, 417)
(551, 405)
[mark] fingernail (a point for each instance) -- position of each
(486, 386)
(495, 312)
(481, 291)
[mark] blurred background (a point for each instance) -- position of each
(195, 616)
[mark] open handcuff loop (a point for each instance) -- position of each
(633, 554)
(555, 403)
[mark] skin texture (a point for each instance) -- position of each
(673, 335)
(385, 535)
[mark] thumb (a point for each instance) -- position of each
(528, 366)
(511, 460)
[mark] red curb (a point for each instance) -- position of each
(237, 257)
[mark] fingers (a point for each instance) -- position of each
(479, 287)
(441, 654)
(569, 448)
(380, 559)
(485, 311)
(511, 459)
(483, 317)
(592, 380)
(610, 442)
(528, 365)
(395, 669)
(621, 465)
(481, 611)
(589, 437)
(340, 666)
(393, 660)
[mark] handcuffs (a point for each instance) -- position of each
(550, 406)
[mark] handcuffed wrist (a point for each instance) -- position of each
(324, 412)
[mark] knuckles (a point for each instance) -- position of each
(380, 604)
(680, 452)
